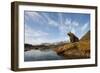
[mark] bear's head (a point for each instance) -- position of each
(69, 34)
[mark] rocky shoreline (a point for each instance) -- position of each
(80, 49)
(74, 50)
(77, 49)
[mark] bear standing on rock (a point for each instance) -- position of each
(73, 38)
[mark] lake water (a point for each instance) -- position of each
(41, 55)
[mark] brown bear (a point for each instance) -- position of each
(73, 38)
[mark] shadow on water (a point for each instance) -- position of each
(41, 55)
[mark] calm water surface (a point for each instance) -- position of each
(39, 55)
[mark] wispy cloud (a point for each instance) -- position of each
(68, 25)
(35, 17)
(41, 27)
(31, 35)
(85, 26)
(37, 37)
(33, 14)
(50, 21)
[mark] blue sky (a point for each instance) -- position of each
(50, 27)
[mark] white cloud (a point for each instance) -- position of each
(50, 21)
(59, 24)
(35, 16)
(35, 41)
(61, 19)
(75, 23)
(69, 25)
(36, 33)
(34, 36)
(62, 30)
(85, 26)
(68, 21)
(37, 37)
(73, 31)
(43, 18)
(64, 26)
(53, 23)
(83, 29)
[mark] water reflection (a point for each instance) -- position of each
(38, 55)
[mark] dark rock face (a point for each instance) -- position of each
(73, 38)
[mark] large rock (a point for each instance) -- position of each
(79, 49)
(73, 38)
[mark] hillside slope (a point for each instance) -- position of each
(86, 36)
(76, 50)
